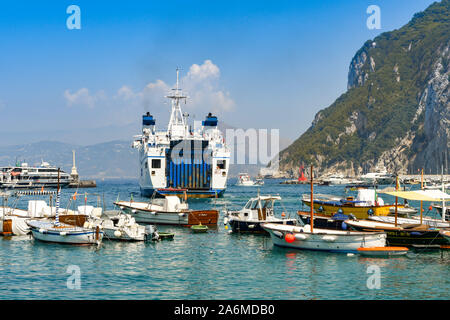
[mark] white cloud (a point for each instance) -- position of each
(200, 84)
(83, 98)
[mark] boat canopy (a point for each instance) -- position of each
(420, 195)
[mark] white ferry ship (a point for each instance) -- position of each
(181, 161)
(24, 176)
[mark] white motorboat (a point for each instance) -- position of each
(124, 227)
(245, 180)
(171, 212)
(301, 237)
(335, 179)
(49, 231)
(256, 211)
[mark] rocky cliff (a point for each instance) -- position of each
(395, 113)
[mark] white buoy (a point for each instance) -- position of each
(117, 233)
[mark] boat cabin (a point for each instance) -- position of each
(258, 208)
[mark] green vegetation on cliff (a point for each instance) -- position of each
(386, 80)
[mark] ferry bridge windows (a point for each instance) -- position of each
(221, 164)
(156, 163)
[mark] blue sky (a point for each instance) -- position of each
(263, 64)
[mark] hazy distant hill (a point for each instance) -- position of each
(396, 112)
(115, 159)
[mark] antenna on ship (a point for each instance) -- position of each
(177, 123)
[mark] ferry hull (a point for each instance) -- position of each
(358, 212)
(161, 193)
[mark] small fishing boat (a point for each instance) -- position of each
(166, 235)
(383, 251)
(401, 235)
(245, 180)
(308, 237)
(49, 231)
(366, 203)
(199, 228)
(57, 232)
(416, 234)
(303, 237)
(171, 212)
(256, 211)
(436, 223)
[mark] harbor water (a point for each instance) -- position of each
(213, 265)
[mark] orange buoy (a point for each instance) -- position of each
(283, 214)
(430, 208)
(289, 237)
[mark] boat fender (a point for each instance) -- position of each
(329, 238)
(42, 230)
(251, 226)
(370, 212)
(225, 220)
(344, 226)
(278, 234)
(117, 233)
(300, 236)
(63, 233)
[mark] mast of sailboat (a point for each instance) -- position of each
(312, 203)
(444, 210)
(396, 200)
(421, 202)
(57, 202)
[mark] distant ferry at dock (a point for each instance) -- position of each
(25, 177)
(181, 161)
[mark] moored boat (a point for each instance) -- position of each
(244, 180)
(171, 212)
(48, 231)
(302, 237)
(256, 211)
(366, 203)
(383, 251)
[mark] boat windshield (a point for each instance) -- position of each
(268, 204)
(248, 205)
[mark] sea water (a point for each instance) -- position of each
(214, 265)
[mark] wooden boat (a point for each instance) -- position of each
(401, 235)
(256, 211)
(199, 228)
(323, 239)
(311, 238)
(334, 222)
(445, 234)
(171, 212)
(417, 234)
(383, 251)
(366, 203)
